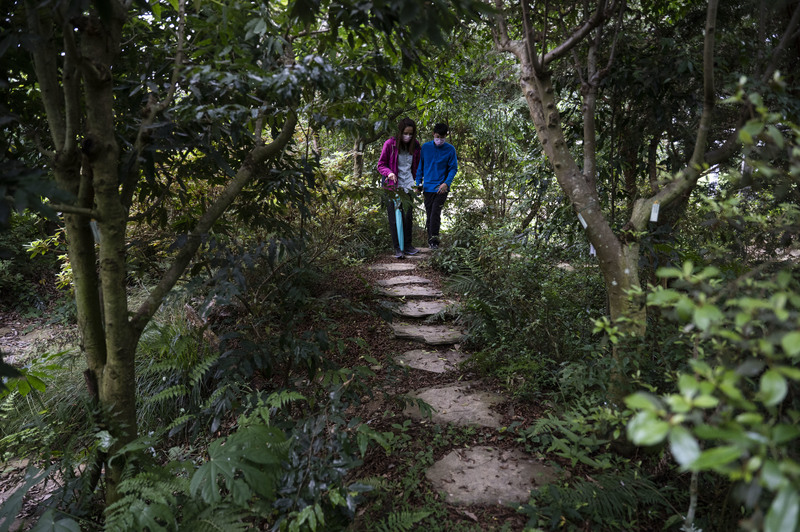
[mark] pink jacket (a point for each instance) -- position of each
(387, 162)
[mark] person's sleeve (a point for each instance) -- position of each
(452, 169)
(383, 160)
(421, 167)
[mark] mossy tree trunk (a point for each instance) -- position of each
(73, 62)
(617, 252)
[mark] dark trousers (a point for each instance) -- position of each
(433, 207)
(408, 218)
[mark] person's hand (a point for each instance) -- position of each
(442, 188)
(391, 176)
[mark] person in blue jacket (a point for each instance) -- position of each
(437, 167)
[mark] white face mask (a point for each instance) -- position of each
(438, 142)
(407, 138)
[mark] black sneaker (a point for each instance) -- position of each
(411, 251)
(398, 254)
(433, 245)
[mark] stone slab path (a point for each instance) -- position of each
(508, 476)
(468, 476)
(393, 267)
(432, 361)
(409, 291)
(459, 404)
(403, 279)
(419, 308)
(428, 334)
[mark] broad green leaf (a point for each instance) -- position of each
(783, 512)
(36, 383)
(684, 308)
(642, 401)
(662, 297)
(790, 372)
(784, 433)
(646, 429)
(707, 315)
(705, 401)
(683, 445)
(105, 440)
(791, 343)
(716, 458)
(678, 403)
(688, 385)
(773, 387)
(771, 475)
(23, 388)
(750, 418)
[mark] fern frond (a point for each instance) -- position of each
(182, 420)
(610, 500)
(401, 521)
(283, 398)
(212, 400)
(201, 370)
(218, 518)
(168, 394)
(376, 483)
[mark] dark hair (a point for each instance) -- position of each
(401, 125)
(441, 129)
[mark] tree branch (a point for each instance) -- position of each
(44, 61)
(153, 108)
(578, 35)
(256, 156)
(785, 39)
(698, 163)
(72, 209)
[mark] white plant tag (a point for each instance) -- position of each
(592, 251)
(583, 222)
(654, 212)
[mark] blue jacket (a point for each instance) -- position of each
(437, 165)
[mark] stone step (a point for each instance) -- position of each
(432, 361)
(485, 475)
(392, 267)
(409, 291)
(403, 280)
(417, 309)
(429, 334)
(458, 404)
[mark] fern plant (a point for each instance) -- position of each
(621, 500)
(401, 521)
(175, 377)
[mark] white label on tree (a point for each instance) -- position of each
(583, 222)
(654, 212)
(592, 251)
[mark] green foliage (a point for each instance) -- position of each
(617, 500)
(401, 521)
(583, 435)
(175, 366)
(735, 409)
(514, 306)
(26, 282)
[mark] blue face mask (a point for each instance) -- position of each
(438, 142)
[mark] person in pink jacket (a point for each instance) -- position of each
(398, 166)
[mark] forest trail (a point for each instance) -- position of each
(470, 475)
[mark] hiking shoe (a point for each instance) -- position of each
(433, 245)
(411, 250)
(398, 254)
